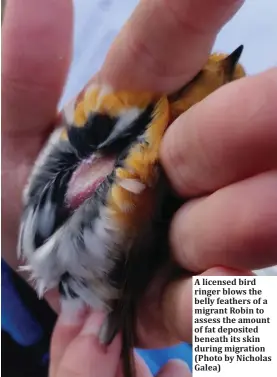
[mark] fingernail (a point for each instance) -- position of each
(93, 323)
(232, 271)
(72, 312)
(180, 364)
(175, 368)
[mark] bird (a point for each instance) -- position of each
(97, 205)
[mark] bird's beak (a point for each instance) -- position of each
(231, 61)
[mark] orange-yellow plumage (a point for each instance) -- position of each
(213, 76)
(141, 162)
(80, 117)
(140, 165)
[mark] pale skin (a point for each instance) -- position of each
(224, 150)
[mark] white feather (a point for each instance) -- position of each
(40, 288)
(90, 295)
(46, 219)
(28, 231)
(68, 111)
(61, 253)
(45, 264)
(126, 118)
(132, 185)
(19, 250)
(26, 268)
(95, 248)
(105, 89)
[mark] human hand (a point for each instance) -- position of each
(75, 351)
(165, 44)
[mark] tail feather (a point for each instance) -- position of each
(121, 319)
(128, 360)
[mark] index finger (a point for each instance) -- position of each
(165, 43)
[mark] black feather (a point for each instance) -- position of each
(95, 131)
(68, 291)
(50, 184)
(126, 139)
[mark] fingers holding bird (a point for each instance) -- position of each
(165, 316)
(229, 136)
(161, 47)
(223, 149)
(226, 146)
(165, 43)
(235, 226)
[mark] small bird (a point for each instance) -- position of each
(97, 204)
